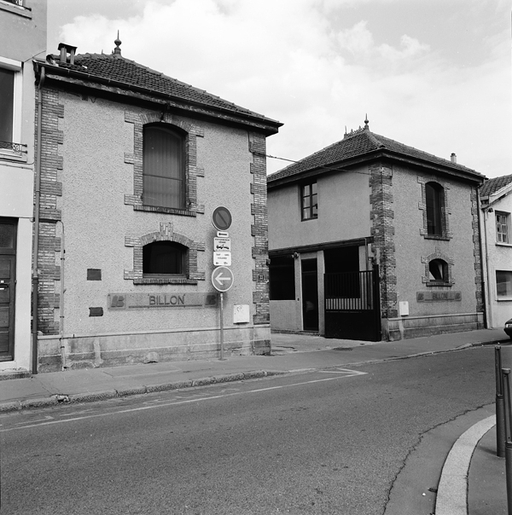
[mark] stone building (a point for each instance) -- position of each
(371, 239)
(133, 166)
(22, 36)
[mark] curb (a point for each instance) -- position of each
(453, 485)
(56, 399)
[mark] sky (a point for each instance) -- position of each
(432, 74)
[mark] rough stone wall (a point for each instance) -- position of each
(383, 231)
(49, 213)
(259, 229)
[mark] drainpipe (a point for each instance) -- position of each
(37, 203)
(61, 303)
(486, 275)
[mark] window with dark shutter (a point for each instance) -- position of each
(162, 258)
(435, 202)
(163, 167)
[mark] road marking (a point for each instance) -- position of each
(175, 402)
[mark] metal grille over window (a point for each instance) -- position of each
(163, 258)
(164, 168)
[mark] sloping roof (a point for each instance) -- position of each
(493, 185)
(364, 144)
(119, 71)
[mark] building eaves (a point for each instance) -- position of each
(125, 75)
(493, 186)
(365, 146)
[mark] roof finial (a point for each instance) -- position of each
(117, 49)
(366, 122)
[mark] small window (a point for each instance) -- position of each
(434, 194)
(309, 201)
(282, 278)
(163, 258)
(163, 167)
(502, 227)
(504, 283)
(438, 271)
(6, 107)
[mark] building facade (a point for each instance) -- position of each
(371, 239)
(134, 165)
(22, 36)
(496, 209)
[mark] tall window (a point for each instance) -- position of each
(163, 258)
(163, 167)
(504, 283)
(434, 194)
(502, 227)
(309, 201)
(6, 105)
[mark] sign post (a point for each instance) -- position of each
(222, 277)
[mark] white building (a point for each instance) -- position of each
(495, 212)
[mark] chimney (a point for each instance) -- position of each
(453, 158)
(67, 53)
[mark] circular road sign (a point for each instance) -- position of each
(222, 278)
(221, 218)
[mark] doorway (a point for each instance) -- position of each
(7, 288)
(309, 295)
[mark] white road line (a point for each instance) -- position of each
(349, 373)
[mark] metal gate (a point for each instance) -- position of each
(352, 307)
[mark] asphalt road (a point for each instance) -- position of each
(327, 442)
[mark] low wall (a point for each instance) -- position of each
(109, 350)
(394, 329)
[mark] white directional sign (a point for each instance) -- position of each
(222, 258)
(222, 278)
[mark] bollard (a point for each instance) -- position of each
(508, 436)
(500, 411)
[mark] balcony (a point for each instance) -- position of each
(11, 150)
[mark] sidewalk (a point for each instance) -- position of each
(290, 353)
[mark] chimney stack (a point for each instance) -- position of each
(453, 158)
(67, 53)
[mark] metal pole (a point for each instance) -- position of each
(500, 409)
(221, 326)
(508, 436)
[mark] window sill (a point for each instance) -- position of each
(309, 219)
(434, 237)
(504, 299)
(16, 9)
(167, 210)
(437, 284)
(500, 244)
(165, 280)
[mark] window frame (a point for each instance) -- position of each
(182, 258)
(502, 236)
(175, 135)
(14, 148)
(508, 293)
(307, 195)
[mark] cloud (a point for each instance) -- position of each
(299, 62)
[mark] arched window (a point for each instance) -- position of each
(438, 271)
(434, 194)
(163, 258)
(163, 167)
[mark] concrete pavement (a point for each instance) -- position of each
(471, 461)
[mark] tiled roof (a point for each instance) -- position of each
(116, 68)
(361, 143)
(493, 185)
